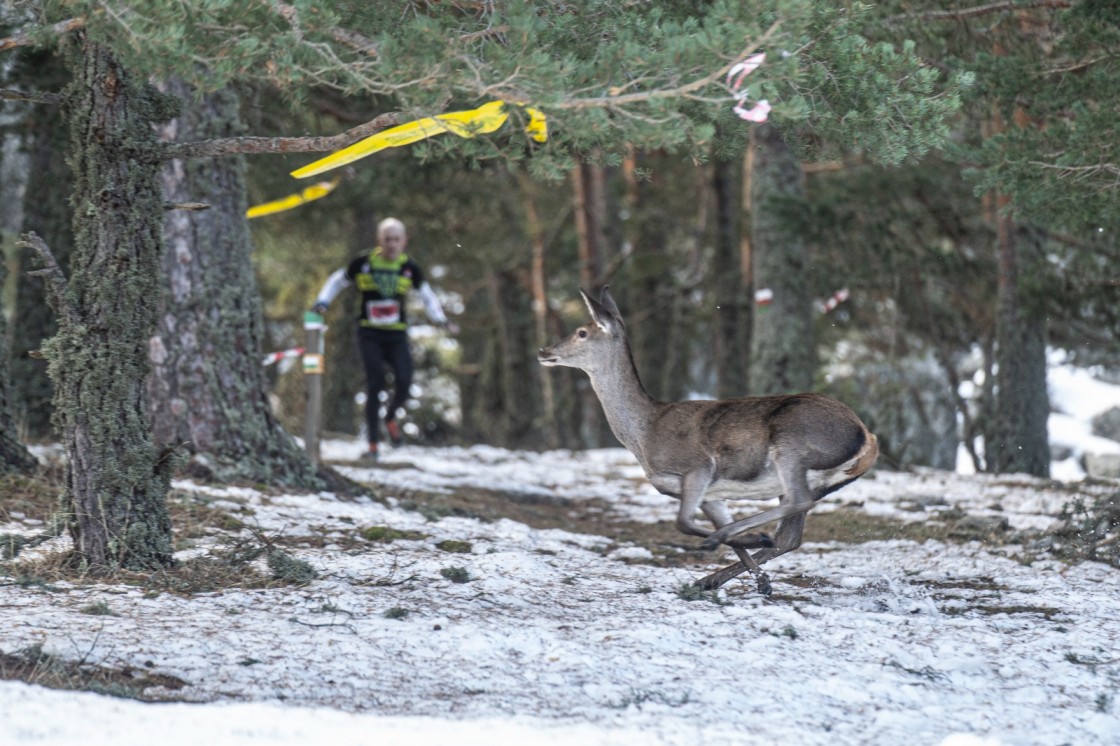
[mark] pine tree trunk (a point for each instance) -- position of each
(14, 457)
(116, 483)
(1018, 440)
(732, 311)
(589, 202)
(783, 354)
(646, 299)
(46, 212)
(207, 389)
(512, 353)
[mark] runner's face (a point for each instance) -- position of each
(392, 241)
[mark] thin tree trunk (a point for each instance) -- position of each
(345, 376)
(116, 482)
(14, 457)
(783, 354)
(207, 389)
(588, 195)
(46, 212)
(730, 296)
(746, 267)
(540, 308)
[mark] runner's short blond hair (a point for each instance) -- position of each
(388, 223)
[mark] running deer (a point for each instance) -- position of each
(799, 447)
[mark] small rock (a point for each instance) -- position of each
(1107, 424)
(1102, 465)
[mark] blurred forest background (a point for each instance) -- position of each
(953, 260)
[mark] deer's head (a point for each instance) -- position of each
(594, 345)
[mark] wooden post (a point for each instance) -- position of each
(315, 333)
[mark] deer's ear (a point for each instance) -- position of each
(606, 300)
(601, 316)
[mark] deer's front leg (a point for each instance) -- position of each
(693, 486)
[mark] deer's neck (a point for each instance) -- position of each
(629, 409)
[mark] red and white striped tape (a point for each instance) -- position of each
(834, 300)
(275, 357)
(765, 296)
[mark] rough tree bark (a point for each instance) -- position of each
(207, 387)
(783, 348)
(116, 482)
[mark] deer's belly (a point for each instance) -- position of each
(762, 487)
(767, 485)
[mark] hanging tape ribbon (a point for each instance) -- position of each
(740, 70)
(310, 194)
(483, 120)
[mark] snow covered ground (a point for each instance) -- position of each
(561, 637)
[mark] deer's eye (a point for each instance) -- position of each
(582, 334)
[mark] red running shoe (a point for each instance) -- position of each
(394, 431)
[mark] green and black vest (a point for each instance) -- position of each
(383, 285)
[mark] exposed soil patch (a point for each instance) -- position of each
(37, 667)
(847, 525)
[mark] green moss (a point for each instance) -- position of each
(386, 535)
(457, 547)
(287, 568)
(456, 574)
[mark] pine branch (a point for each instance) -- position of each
(615, 99)
(11, 94)
(979, 11)
(255, 145)
(346, 37)
(52, 275)
(57, 29)
(1080, 172)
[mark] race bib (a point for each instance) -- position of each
(383, 312)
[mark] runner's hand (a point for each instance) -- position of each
(319, 308)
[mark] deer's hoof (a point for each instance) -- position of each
(764, 585)
(751, 541)
(710, 543)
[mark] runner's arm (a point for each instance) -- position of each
(334, 285)
(432, 305)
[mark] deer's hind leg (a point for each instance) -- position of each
(786, 539)
(796, 499)
(799, 497)
(718, 513)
